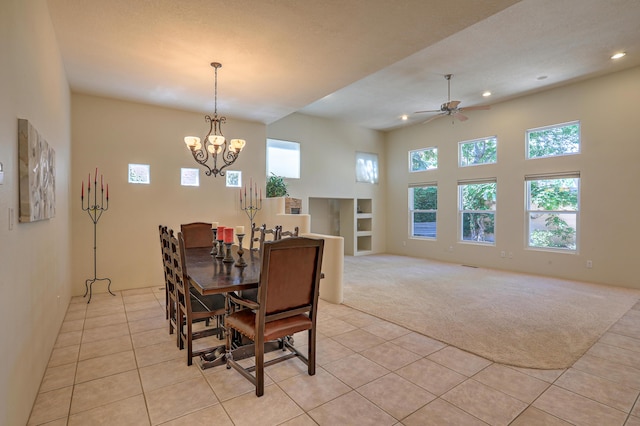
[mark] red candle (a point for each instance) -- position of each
(101, 182)
(107, 192)
(89, 180)
(82, 196)
(241, 196)
(228, 235)
(220, 233)
(96, 177)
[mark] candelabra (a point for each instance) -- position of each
(95, 212)
(251, 204)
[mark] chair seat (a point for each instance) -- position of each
(245, 322)
(213, 302)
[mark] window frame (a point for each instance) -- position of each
(271, 159)
(413, 210)
(363, 176)
(186, 180)
(474, 141)
(228, 178)
(147, 171)
(529, 211)
(553, 126)
(431, 148)
(462, 211)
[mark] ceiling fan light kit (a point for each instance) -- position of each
(450, 107)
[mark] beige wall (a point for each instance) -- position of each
(110, 134)
(34, 257)
(328, 149)
(607, 109)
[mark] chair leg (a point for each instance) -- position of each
(259, 348)
(180, 321)
(311, 354)
(227, 345)
(189, 334)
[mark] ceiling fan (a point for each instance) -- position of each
(451, 107)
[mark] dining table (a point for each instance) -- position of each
(209, 275)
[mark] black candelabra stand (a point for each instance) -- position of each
(95, 211)
(251, 204)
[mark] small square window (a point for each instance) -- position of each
(479, 151)
(553, 141)
(366, 167)
(139, 173)
(423, 159)
(283, 158)
(189, 177)
(234, 178)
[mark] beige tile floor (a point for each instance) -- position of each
(114, 363)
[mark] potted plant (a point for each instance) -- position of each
(276, 186)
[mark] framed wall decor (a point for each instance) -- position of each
(37, 167)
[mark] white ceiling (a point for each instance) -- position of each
(364, 61)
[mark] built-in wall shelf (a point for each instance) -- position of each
(364, 225)
(350, 218)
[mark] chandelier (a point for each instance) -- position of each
(215, 145)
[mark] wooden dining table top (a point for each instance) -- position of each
(211, 276)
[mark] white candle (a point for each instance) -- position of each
(214, 225)
(239, 230)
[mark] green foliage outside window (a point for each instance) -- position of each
(474, 199)
(424, 211)
(553, 141)
(553, 206)
(423, 159)
(481, 151)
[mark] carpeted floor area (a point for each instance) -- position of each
(515, 319)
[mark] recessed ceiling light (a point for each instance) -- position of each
(618, 55)
(486, 94)
(405, 117)
(542, 77)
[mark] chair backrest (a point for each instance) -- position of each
(166, 254)
(290, 277)
(197, 234)
(179, 272)
(283, 234)
(269, 234)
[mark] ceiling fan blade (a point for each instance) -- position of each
(431, 110)
(476, 108)
(452, 104)
(460, 116)
(433, 118)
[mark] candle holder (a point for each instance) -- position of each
(240, 263)
(95, 211)
(251, 204)
(220, 254)
(214, 249)
(228, 258)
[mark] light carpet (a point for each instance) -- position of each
(511, 318)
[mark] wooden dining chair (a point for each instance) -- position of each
(197, 234)
(287, 303)
(169, 287)
(262, 234)
(284, 234)
(191, 309)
